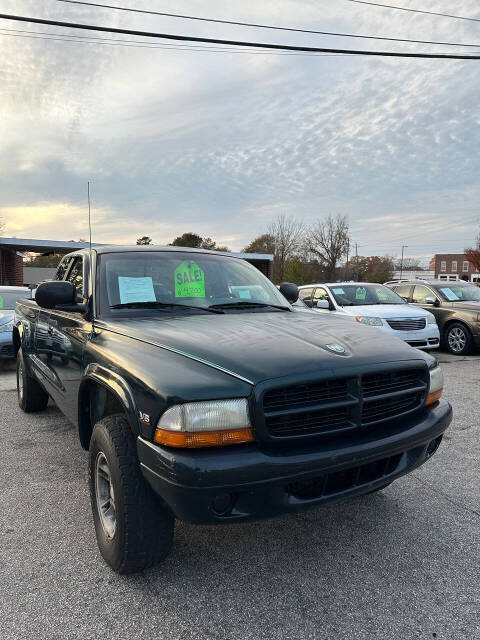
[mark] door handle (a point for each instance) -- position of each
(50, 331)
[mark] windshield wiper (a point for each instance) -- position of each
(245, 304)
(160, 305)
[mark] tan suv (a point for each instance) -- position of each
(455, 305)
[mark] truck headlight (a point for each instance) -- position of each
(6, 327)
(436, 385)
(431, 319)
(205, 424)
(373, 322)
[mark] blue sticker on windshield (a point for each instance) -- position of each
(449, 294)
(338, 290)
(135, 289)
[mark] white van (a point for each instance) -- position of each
(374, 305)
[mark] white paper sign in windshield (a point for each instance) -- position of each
(136, 289)
(449, 294)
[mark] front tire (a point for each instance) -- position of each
(31, 396)
(458, 339)
(134, 531)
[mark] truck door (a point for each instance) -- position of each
(69, 333)
(44, 346)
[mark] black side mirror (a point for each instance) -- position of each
(309, 303)
(290, 291)
(57, 292)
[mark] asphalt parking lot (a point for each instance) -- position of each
(402, 564)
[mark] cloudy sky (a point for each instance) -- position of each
(221, 142)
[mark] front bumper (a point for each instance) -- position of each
(428, 338)
(245, 482)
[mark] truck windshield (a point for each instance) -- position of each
(349, 295)
(9, 298)
(149, 282)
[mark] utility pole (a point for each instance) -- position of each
(404, 246)
(346, 264)
(356, 261)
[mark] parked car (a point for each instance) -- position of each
(201, 396)
(374, 305)
(8, 298)
(455, 305)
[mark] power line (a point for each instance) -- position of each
(238, 43)
(263, 26)
(39, 35)
(430, 13)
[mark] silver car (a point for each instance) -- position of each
(8, 298)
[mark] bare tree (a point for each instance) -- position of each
(408, 264)
(287, 233)
(328, 242)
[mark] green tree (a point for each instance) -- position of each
(262, 244)
(208, 243)
(188, 240)
(197, 242)
(50, 260)
(372, 268)
(144, 240)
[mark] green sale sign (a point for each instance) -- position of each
(189, 281)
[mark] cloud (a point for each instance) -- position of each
(219, 143)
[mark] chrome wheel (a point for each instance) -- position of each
(105, 496)
(457, 339)
(20, 381)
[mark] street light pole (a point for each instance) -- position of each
(404, 246)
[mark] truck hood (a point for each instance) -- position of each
(260, 346)
(386, 311)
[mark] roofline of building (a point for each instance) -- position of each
(39, 246)
(42, 246)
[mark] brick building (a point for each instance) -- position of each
(452, 266)
(11, 267)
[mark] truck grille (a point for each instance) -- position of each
(389, 407)
(377, 383)
(407, 324)
(305, 394)
(311, 422)
(339, 481)
(342, 404)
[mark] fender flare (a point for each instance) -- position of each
(116, 385)
(17, 337)
(20, 333)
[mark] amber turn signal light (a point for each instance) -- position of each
(433, 397)
(187, 439)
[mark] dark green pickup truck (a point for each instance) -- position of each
(202, 395)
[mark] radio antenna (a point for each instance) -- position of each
(90, 256)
